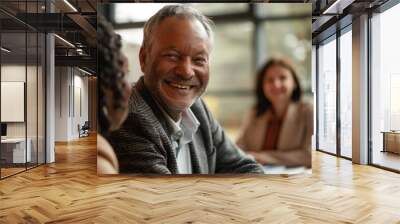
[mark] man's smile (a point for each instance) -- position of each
(181, 86)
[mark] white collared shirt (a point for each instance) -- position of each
(182, 135)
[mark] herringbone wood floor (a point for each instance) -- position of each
(70, 192)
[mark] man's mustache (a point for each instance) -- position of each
(193, 81)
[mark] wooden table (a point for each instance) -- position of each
(391, 141)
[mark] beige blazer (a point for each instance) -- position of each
(294, 143)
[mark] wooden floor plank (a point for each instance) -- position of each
(69, 191)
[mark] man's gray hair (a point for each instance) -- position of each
(183, 11)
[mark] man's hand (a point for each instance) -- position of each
(263, 158)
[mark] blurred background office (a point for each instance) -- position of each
(246, 35)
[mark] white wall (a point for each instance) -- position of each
(80, 94)
(13, 73)
(61, 103)
(70, 83)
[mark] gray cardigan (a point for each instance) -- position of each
(142, 144)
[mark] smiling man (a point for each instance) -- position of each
(169, 129)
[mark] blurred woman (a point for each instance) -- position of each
(278, 130)
(114, 91)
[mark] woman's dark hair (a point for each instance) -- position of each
(110, 72)
(262, 102)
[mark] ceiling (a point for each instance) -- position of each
(330, 15)
(74, 21)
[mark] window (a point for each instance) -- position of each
(22, 75)
(283, 10)
(142, 11)
(385, 89)
(291, 39)
(346, 94)
(327, 96)
(231, 75)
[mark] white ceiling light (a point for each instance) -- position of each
(86, 72)
(337, 7)
(5, 50)
(70, 5)
(65, 41)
